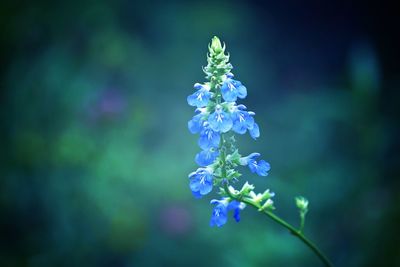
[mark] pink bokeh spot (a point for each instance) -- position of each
(175, 220)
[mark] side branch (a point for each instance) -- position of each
(296, 232)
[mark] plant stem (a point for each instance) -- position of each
(301, 236)
(291, 228)
(302, 220)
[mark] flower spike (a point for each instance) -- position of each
(218, 118)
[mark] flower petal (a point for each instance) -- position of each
(241, 91)
(195, 124)
(245, 160)
(220, 121)
(252, 165)
(263, 168)
(205, 183)
(208, 139)
(228, 91)
(199, 98)
(201, 182)
(206, 157)
(255, 131)
(219, 215)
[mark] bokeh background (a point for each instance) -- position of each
(95, 150)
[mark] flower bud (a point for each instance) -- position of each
(258, 198)
(246, 188)
(216, 44)
(302, 203)
(268, 205)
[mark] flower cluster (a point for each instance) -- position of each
(217, 119)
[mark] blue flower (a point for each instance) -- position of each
(232, 89)
(220, 212)
(242, 120)
(201, 97)
(261, 167)
(196, 194)
(254, 131)
(196, 123)
(201, 182)
(220, 121)
(206, 157)
(245, 160)
(208, 138)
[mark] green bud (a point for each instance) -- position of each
(232, 174)
(233, 191)
(216, 44)
(267, 194)
(217, 63)
(302, 203)
(234, 158)
(222, 191)
(258, 198)
(268, 205)
(246, 189)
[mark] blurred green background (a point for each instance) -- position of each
(95, 150)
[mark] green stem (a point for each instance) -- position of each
(301, 236)
(291, 228)
(302, 220)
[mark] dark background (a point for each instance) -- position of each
(95, 149)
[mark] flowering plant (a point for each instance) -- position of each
(218, 118)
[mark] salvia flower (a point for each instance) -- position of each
(218, 117)
(220, 212)
(242, 120)
(220, 120)
(201, 181)
(232, 89)
(201, 97)
(209, 138)
(245, 160)
(206, 157)
(261, 167)
(195, 125)
(254, 131)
